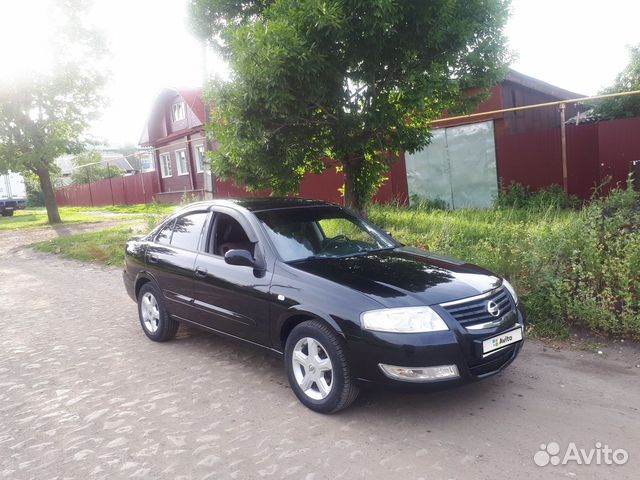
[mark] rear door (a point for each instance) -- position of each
(230, 298)
(171, 259)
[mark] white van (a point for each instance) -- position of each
(13, 194)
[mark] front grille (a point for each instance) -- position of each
(475, 309)
(10, 203)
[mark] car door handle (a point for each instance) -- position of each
(153, 258)
(201, 272)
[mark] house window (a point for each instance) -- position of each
(181, 162)
(179, 111)
(200, 158)
(165, 165)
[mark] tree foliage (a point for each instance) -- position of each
(626, 81)
(350, 81)
(90, 168)
(46, 115)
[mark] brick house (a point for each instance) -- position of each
(175, 132)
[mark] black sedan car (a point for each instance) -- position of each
(340, 299)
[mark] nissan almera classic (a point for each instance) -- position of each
(342, 301)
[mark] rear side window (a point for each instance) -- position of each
(187, 230)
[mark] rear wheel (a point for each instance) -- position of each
(154, 318)
(318, 369)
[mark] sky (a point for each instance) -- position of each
(578, 45)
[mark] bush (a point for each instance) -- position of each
(519, 196)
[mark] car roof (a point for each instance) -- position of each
(261, 204)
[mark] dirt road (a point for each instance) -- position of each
(84, 394)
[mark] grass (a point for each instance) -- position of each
(34, 218)
(144, 208)
(491, 238)
(104, 246)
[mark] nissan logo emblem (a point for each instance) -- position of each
(493, 308)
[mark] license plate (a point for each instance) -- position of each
(502, 340)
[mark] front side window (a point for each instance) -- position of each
(178, 111)
(187, 230)
(228, 235)
(181, 162)
(165, 165)
(200, 158)
(321, 232)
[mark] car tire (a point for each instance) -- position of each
(308, 347)
(8, 213)
(154, 318)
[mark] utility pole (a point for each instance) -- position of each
(563, 137)
(209, 181)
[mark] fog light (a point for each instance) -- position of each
(420, 374)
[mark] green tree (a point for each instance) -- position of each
(91, 168)
(47, 115)
(626, 81)
(354, 82)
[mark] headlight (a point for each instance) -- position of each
(509, 287)
(403, 320)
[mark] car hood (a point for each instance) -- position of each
(404, 276)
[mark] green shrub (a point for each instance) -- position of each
(518, 196)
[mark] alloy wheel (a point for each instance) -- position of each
(150, 312)
(312, 368)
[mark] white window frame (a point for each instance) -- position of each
(200, 158)
(179, 165)
(176, 108)
(165, 165)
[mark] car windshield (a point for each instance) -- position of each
(321, 232)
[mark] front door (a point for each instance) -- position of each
(230, 298)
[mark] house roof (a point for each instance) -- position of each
(193, 99)
(540, 86)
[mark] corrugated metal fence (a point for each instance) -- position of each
(595, 153)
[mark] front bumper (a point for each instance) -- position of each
(457, 346)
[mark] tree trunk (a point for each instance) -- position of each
(49, 196)
(353, 197)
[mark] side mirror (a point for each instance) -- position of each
(242, 258)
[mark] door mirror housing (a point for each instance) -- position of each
(242, 258)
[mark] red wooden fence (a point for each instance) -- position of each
(129, 190)
(143, 188)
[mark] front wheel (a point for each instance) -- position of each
(154, 318)
(7, 213)
(317, 368)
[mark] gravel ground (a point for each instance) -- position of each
(84, 394)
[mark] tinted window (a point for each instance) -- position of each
(187, 229)
(164, 236)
